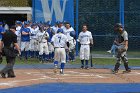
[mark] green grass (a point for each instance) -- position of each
(96, 61)
(109, 61)
(130, 53)
(23, 61)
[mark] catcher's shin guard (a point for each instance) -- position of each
(117, 65)
(125, 60)
(126, 66)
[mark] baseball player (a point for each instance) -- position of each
(50, 46)
(59, 41)
(25, 40)
(85, 39)
(18, 32)
(55, 27)
(42, 37)
(61, 25)
(33, 41)
(68, 31)
(121, 49)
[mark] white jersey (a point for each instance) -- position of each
(41, 36)
(34, 33)
(55, 28)
(59, 40)
(18, 28)
(85, 37)
(67, 33)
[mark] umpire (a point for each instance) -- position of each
(121, 48)
(10, 51)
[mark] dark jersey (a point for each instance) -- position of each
(9, 38)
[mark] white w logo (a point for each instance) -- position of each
(47, 12)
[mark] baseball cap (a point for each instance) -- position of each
(18, 22)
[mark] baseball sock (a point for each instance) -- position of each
(52, 54)
(117, 65)
(29, 53)
(86, 63)
(46, 57)
(126, 66)
(55, 63)
(26, 54)
(40, 57)
(82, 62)
(37, 53)
(67, 58)
(22, 54)
(62, 66)
(73, 58)
(43, 56)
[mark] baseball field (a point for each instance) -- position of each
(35, 77)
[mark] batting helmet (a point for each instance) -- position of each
(60, 31)
(72, 33)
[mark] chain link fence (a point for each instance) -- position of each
(101, 15)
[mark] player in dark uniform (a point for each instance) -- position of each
(10, 51)
(121, 48)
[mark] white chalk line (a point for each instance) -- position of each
(72, 74)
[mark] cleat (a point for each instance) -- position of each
(82, 67)
(127, 71)
(87, 68)
(13, 76)
(3, 75)
(61, 72)
(114, 71)
(55, 69)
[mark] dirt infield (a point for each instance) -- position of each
(39, 76)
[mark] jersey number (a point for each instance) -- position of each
(59, 39)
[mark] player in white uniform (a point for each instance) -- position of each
(42, 37)
(55, 27)
(50, 46)
(18, 32)
(68, 29)
(59, 41)
(33, 41)
(85, 39)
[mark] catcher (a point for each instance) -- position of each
(121, 48)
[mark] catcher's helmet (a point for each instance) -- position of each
(118, 25)
(60, 30)
(72, 33)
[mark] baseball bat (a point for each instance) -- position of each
(91, 63)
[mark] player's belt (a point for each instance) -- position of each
(33, 34)
(70, 40)
(59, 47)
(43, 42)
(84, 44)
